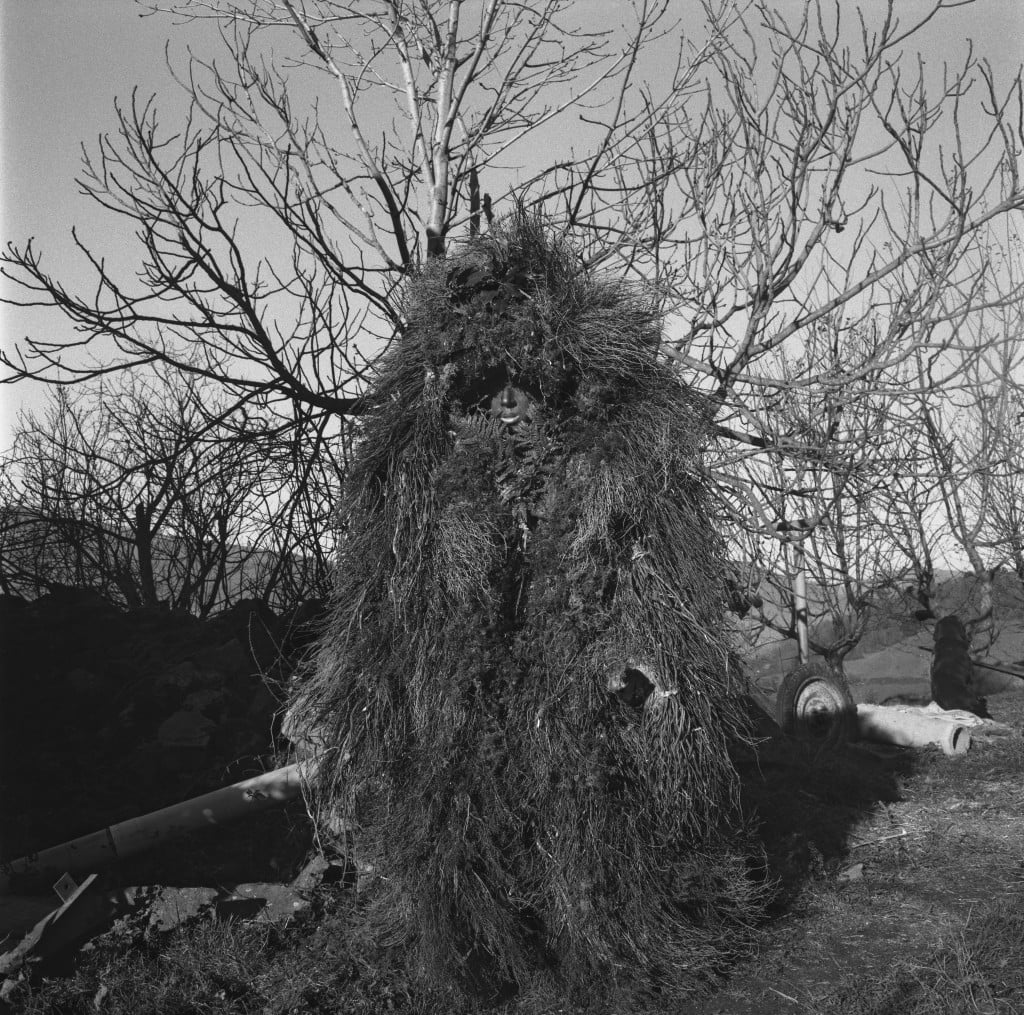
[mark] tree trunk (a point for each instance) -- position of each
(144, 550)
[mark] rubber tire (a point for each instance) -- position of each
(814, 704)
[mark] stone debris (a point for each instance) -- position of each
(155, 697)
(162, 909)
(263, 903)
(173, 907)
(854, 873)
(185, 729)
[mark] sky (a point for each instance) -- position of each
(62, 65)
(64, 62)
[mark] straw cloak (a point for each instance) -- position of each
(524, 696)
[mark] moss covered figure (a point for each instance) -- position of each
(525, 691)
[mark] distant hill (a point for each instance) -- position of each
(37, 553)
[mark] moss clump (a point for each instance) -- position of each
(525, 684)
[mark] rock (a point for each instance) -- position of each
(173, 907)
(255, 626)
(75, 597)
(229, 659)
(124, 669)
(186, 729)
(312, 874)
(10, 990)
(164, 692)
(86, 684)
(150, 697)
(262, 903)
(208, 701)
(306, 741)
(262, 704)
(158, 616)
(183, 676)
(12, 604)
(184, 741)
(321, 871)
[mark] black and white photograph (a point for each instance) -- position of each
(512, 507)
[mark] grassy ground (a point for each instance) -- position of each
(921, 913)
(901, 891)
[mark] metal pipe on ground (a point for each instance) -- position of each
(99, 849)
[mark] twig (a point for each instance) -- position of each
(786, 996)
(885, 838)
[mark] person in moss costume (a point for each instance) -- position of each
(525, 697)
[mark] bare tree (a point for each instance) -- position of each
(815, 503)
(132, 493)
(1003, 522)
(54, 529)
(989, 426)
(379, 131)
(778, 178)
(907, 505)
(825, 199)
(308, 158)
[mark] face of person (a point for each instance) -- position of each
(512, 406)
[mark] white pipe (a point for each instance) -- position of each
(136, 835)
(891, 725)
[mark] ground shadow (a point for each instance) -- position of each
(804, 799)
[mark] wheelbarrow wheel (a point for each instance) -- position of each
(814, 704)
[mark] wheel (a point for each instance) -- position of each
(814, 703)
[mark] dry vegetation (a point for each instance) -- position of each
(821, 284)
(931, 924)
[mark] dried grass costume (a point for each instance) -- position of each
(525, 685)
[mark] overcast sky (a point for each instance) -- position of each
(65, 61)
